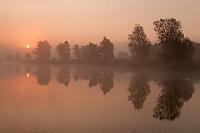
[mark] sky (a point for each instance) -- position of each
(82, 21)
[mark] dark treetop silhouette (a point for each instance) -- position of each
(173, 48)
(138, 44)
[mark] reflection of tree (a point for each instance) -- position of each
(64, 76)
(95, 77)
(173, 95)
(106, 81)
(139, 90)
(43, 75)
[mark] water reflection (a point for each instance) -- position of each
(64, 75)
(175, 92)
(101, 77)
(43, 75)
(175, 89)
(139, 90)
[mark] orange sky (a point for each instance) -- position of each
(80, 21)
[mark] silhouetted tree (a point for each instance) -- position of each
(175, 47)
(175, 91)
(93, 54)
(28, 57)
(64, 76)
(63, 50)
(106, 51)
(17, 56)
(85, 53)
(139, 90)
(43, 75)
(138, 43)
(90, 53)
(42, 51)
(77, 52)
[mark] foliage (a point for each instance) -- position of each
(106, 51)
(138, 43)
(77, 52)
(175, 47)
(42, 51)
(63, 50)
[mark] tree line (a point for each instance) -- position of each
(175, 47)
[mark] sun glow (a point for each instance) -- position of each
(28, 75)
(28, 46)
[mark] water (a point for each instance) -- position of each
(83, 99)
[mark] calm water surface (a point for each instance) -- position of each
(81, 99)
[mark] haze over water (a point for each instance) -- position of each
(82, 99)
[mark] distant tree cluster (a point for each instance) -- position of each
(95, 54)
(174, 47)
(43, 51)
(91, 53)
(63, 50)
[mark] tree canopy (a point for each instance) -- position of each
(138, 43)
(175, 47)
(63, 50)
(42, 51)
(106, 51)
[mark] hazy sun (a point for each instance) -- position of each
(28, 75)
(28, 46)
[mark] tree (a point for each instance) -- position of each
(138, 43)
(106, 51)
(90, 53)
(175, 47)
(77, 52)
(93, 53)
(42, 51)
(85, 53)
(17, 56)
(28, 57)
(63, 50)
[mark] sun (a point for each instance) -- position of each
(28, 46)
(28, 75)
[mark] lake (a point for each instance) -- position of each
(89, 99)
